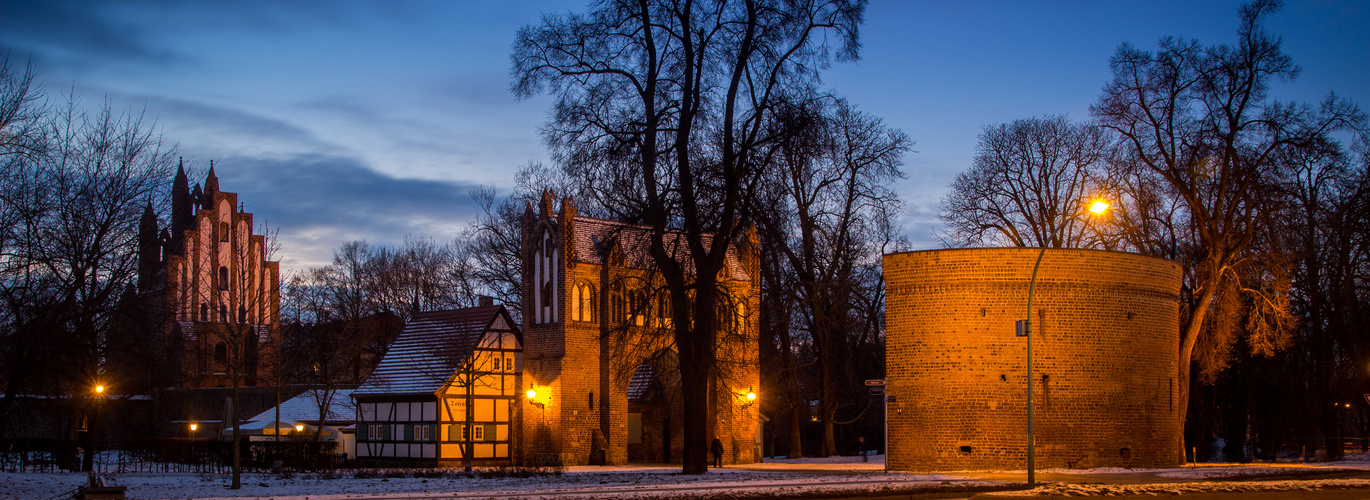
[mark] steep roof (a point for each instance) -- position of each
(641, 381)
(593, 238)
(429, 350)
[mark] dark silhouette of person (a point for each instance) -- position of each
(717, 449)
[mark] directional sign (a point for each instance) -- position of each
(880, 381)
(877, 390)
(1367, 398)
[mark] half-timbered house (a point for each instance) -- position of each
(447, 387)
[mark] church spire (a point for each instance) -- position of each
(182, 207)
(149, 248)
(211, 180)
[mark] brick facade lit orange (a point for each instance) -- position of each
(1105, 349)
(590, 301)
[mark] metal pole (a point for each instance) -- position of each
(886, 397)
(1027, 329)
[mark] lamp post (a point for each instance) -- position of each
(1098, 208)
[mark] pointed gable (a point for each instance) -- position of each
(431, 347)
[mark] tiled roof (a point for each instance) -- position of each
(432, 345)
(305, 407)
(592, 238)
(641, 381)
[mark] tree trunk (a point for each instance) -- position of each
(237, 438)
(829, 410)
(796, 440)
(1187, 342)
(694, 389)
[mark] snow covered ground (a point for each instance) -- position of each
(848, 475)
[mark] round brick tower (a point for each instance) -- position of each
(1105, 341)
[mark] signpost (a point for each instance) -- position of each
(877, 388)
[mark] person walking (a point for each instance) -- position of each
(717, 449)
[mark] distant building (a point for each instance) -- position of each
(298, 418)
(210, 285)
(597, 345)
(451, 379)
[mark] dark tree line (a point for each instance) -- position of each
(74, 185)
(1257, 199)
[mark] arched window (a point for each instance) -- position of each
(583, 303)
(223, 231)
(618, 306)
(223, 314)
(204, 312)
(544, 280)
(223, 277)
(637, 306)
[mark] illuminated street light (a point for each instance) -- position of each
(194, 427)
(532, 393)
(751, 396)
(1098, 208)
(299, 427)
(99, 389)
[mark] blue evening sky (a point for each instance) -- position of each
(350, 119)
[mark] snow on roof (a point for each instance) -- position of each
(305, 407)
(592, 239)
(641, 381)
(429, 349)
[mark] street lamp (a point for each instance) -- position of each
(1098, 207)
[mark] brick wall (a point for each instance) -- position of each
(1105, 339)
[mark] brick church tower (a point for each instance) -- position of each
(597, 347)
(210, 275)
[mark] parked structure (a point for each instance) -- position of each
(1105, 359)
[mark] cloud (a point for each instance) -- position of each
(319, 201)
(76, 33)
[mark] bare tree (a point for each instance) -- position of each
(829, 212)
(1027, 185)
(663, 108)
(1327, 229)
(491, 246)
(1199, 135)
(75, 185)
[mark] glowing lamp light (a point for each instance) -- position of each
(1099, 207)
(193, 427)
(299, 427)
(751, 396)
(99, 389)
(532, 394)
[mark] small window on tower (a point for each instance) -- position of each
(223, 231)
(204, 312)
(223, 277)
(223, 314)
